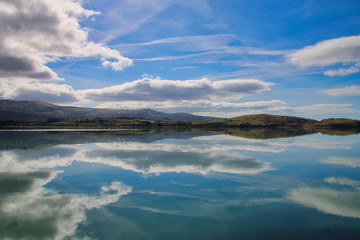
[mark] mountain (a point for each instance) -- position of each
(40, 111)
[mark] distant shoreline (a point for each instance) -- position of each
(260, 126)
(248, 121)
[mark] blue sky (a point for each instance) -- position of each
(208, 57)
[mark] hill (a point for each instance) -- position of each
(41, 111)
(276, 125)
(260, 120)
(266, 120)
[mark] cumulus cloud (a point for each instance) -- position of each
(35, 32)
(344, 50)
(147, 89)
(221, 108)
(353, 90)
(328, 52)
(34, 90)
(147, 93)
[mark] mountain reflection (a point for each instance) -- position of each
(30, 211)
(40, 139)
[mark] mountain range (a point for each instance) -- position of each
(41, 111)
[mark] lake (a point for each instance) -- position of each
(130, 184)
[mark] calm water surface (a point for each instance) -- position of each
(195, 185)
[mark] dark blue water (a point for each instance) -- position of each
(197, 185)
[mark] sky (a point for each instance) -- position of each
(206, 57)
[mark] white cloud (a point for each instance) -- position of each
(323, 108)
(345, 50)
(156, 90)
(342, 71)
(175, 95)
(183, 68)
(35, 32)
(279, 107)
(353, 90)
(195, 105)
(328, 52)
(34, 90)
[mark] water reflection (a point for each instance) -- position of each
(31, 211)
(343, 160)
(139, 157)
(344, 202)
(165, 157)
(189, 185)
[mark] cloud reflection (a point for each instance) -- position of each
(343, 203)
(146, 158)
(342, 160)
(167, 157)
(30, 211)
(202, 154)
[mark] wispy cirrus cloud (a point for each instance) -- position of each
(195, 46)
(36, 32)
(190, 43)
(130, 16)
